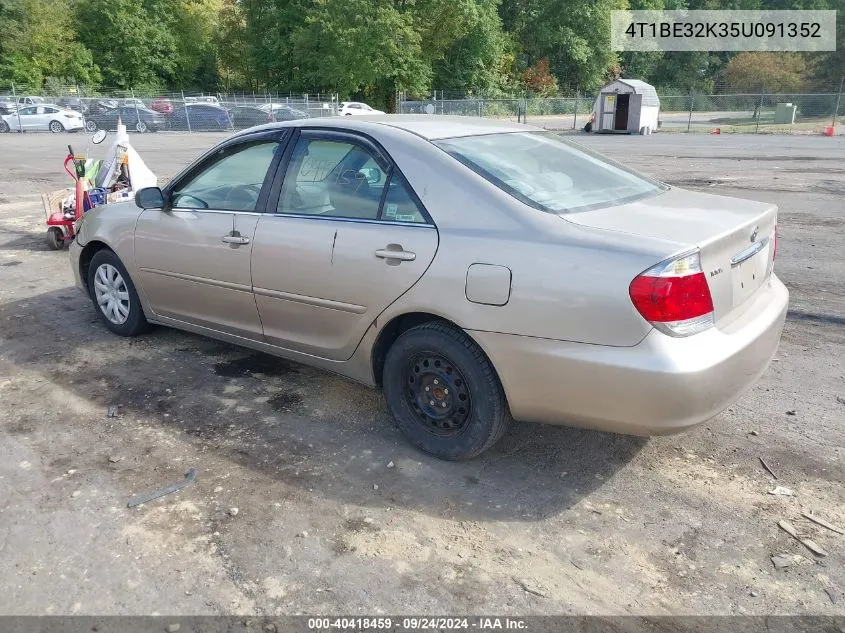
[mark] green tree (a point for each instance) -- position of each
(194, 27)
(130, 40)
(479, 56)
(772, 72)
(37, 40)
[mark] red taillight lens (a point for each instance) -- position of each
(674, 296)
(665, 299)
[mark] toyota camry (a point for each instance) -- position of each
(476, 271)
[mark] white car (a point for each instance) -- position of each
(47, 117)
(354, 108)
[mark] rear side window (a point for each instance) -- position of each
(548, 173)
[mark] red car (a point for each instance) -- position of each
(162, 105)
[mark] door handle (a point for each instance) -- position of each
(404, 256)
(234, 239)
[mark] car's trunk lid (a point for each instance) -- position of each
(734, 237)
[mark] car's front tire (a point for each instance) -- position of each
(141, 127)
(114, 296)
(4, 127)
(90, 125)
(444, 393)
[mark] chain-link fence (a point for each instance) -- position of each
(760, 112)
(74, 108)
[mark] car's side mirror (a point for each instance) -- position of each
(150, 198)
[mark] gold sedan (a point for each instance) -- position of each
(475, 270)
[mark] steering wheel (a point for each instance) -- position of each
(179, 197)
(244, 196)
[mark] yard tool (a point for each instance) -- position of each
(61, 222)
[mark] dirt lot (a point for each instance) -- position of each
(552, 521)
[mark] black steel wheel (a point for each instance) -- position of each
(437, 392)
(443, 392)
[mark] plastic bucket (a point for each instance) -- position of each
(828, 131)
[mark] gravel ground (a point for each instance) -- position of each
(296, 507)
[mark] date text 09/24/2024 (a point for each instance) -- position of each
(416, 623)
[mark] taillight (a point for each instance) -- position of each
(674, 296)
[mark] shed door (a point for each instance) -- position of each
(608, 112)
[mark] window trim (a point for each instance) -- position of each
(365, 141)
(206, 160)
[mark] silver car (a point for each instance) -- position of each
(476, 271)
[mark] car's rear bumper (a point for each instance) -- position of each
(662, 385)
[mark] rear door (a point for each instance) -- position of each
(345, 238)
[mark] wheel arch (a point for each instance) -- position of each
(400, 324)
(88, 251)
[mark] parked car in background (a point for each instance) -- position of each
(134, 118)
(42, 118)
(162, 105)
(248, 116)
(479, 270)
(133, 102)
(203, 99)
(99, 106)
(7, 106)
(25, 101)
(354, 108)
(286, 113)
(73, 103)
(197, 117)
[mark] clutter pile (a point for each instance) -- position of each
(97, 182)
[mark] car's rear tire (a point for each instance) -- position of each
(140, 127)
(90, 125)
(56, 127)
(114, 296)
(437, 363)
(4, 127)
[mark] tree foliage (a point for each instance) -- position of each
(375, 48)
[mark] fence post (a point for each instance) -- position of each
(137, 116)
(185, 105)
(575, 116)
(81, 107)
(759, 112)
(838, 100)
(17, 109)
(691, 106)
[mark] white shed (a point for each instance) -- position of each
(627, 106)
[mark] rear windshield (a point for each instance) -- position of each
(549, 173)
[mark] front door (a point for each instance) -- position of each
(194, 257)
(347, 239)
(25, 119)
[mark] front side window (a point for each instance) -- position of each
(26, 111)
(548, 173)
(231, 181)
